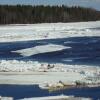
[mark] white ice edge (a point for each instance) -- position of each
(59, 97)
(48, 98)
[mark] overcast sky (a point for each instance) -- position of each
(86, 3)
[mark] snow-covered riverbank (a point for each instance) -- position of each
(38, 77)
(31, 66)
(20, 72)
(11, 33)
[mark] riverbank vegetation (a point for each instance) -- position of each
(26, 14)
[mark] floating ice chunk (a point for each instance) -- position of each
(41, 49)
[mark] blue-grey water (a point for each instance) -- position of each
(84, 50)
(27, 91)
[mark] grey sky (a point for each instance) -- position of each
(86, 3)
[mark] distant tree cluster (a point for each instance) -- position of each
(25, 14)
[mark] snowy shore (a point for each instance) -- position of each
(11, 33)
(20, 72)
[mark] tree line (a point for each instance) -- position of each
(26, 14)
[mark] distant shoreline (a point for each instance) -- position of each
(28, 14)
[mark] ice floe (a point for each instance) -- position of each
(41, 49)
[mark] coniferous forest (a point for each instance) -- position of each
(26, 14)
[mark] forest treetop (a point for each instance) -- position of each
(27, 14)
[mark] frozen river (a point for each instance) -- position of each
(73, 44)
